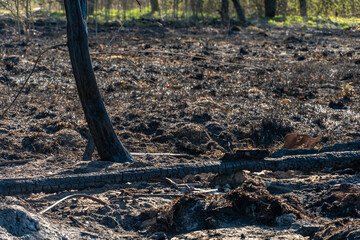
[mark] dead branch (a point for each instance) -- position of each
(5, 163)
(74, 196)
(305, 162)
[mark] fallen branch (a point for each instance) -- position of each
(5, 163)
(309, 162)
(339, 147)
(74, 196)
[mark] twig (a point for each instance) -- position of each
(171, 182)
(4, 163)
(165, 195)
(73, 196)
(28, 78)
(160, 154)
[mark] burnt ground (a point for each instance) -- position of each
(202, 91)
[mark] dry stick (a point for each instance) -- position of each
(28, 78)
(4, 163)
(90, 147)
(73, 196)
(177, 54)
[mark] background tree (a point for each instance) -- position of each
(106, 141)
(155, 7)
(224, 12)
(239, 12)
(270, 8)
(303, 8)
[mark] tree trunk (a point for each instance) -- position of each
(124, 3)
(240, 12)
(91, 7)
(193, 9)
(224, 12)
(106, 141)
(107, 10)
(199, 8)
(155, 7)
(270, 8)
(186, 9)
(303, 8)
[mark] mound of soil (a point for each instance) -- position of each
(250, 203)
(339, 201)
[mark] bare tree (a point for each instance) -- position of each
(224, 12)
(106, 141)
(107, 10)
(240, 12)
(270, 8)
(155, 7)
(303, 8)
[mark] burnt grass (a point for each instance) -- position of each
(199, 90)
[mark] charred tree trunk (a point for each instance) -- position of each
(106, 141)
(270, 8)
(91, 7)
(193, 9)
(303, 8)
(224, 12)
(240, 12)
(155, 7)
(186, 9)
(124, 5)
(107, 10)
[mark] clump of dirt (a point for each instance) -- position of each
(339, 229)
(253, 200)
(339, 201)
(271, 129)
(39, 142)
(194, 139)
(249, 203)
(69, 138)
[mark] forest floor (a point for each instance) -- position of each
(200, 91)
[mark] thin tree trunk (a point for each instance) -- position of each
(91, 7)
(106, 141)
(270, 8)
(193, 8)
(186, 9)
(166, 9)
(124, 3)
(107, 10)
(303, 8)
(240, 12)
(155, 7)
(199, 7)
(174, 9)
(224, 12)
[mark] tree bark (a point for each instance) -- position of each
(270, 8)
(240, 12)
(155, 7)
(91, 7)
(107, 10)
(224, 12)
(303, 8)
(106, 141)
